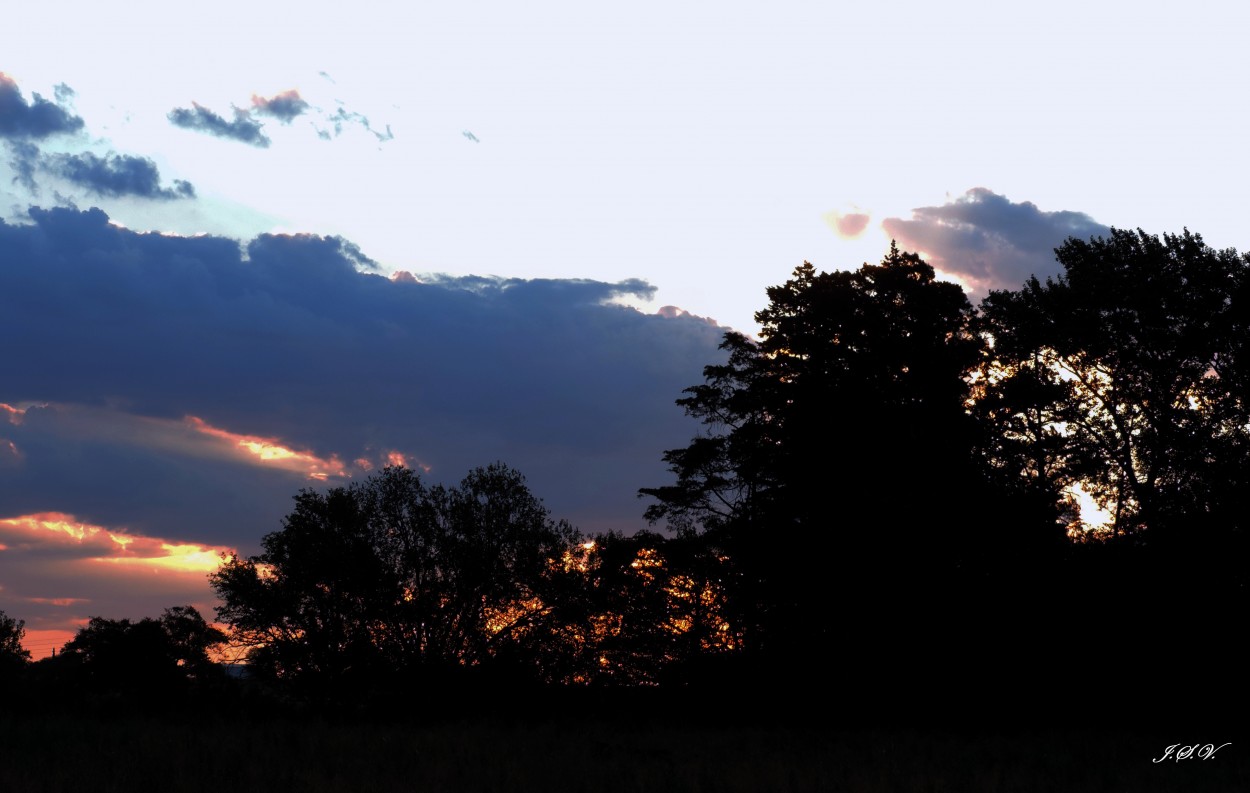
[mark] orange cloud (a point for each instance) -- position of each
(271, 451)
(55, 566)
(58, 601)
(101, 545)
(848, 225)
(391, 458)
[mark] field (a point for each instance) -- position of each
(172, 754)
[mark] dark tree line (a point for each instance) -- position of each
(885, 495)
(897, 477)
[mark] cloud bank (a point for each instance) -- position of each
(989, 242)
(186, 387)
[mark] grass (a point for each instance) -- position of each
(175, 754)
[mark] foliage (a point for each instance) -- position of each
(12, 655)
(1121, 376)
(646, 609)
(390, 576)
(838, 449)
(153, 662)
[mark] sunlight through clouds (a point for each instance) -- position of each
(36, 533)
(270, 451)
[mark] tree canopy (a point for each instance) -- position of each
(390, 575)
(839, 457)
(1121, 376)
(885, 456)
(12, 654)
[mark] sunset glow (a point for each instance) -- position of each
(272, 451)
(11, 413)
(102, 545)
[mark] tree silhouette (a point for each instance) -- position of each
(1118, 376)
(838, 453)
(153, 662)
(13, 656)
(391, 577)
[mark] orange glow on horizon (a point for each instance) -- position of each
(41, 642)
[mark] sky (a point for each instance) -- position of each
(250, 248)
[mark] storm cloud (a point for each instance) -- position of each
(200, 119)
(988, 241)
(117, 175)
(188, 386)
(33, 120)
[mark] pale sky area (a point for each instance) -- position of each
(655, 154)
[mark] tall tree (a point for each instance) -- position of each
(839, 450)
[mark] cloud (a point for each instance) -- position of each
(186, 387)
(989, 242)
(285, 106)
(59, 569)
(341, 118)
(117, 175)
(848, 225)
(108, 175)
(34, 120)
(200, 119)
(24, 159)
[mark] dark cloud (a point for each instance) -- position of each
(24, 159)
(286, 106)
(116, 175)
(63, 93)
(288, 341)
(39, 118)
(243, 129)
(989, 241)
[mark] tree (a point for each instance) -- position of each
(839, 449)
(12, 655)
(1121, 377)
(390, 577)
(152, 661)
